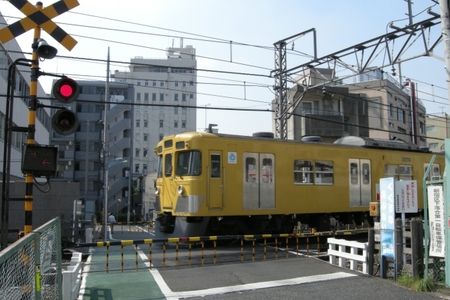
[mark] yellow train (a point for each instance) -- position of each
(217, 184)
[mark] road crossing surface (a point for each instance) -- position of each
(294, 277)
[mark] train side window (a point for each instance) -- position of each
(366, 173)
(391, 171)
(215, 166)
(405, 172)
(324, 172)
(303, 172)
(266, 171)
(168, 165)
(160, 162)
(435, 172)
(250, 169)
(354, 173)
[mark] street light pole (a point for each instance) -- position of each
(105, 153)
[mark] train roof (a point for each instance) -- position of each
(354, 141)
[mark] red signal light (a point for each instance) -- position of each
(66, 90)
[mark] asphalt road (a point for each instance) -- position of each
(295, 277)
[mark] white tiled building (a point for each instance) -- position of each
(165, 100)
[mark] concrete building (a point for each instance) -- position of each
(165, 100)
(372, 105)
(438, 129)
(81, 153)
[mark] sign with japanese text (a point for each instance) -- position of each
(406, 196)
(437, 220)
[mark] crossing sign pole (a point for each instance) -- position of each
(37, 18)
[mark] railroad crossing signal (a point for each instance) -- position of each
(40, 18)
(64, 121)
(39, 160)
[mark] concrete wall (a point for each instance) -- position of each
(58, 202)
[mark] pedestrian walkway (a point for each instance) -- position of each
(115, 284)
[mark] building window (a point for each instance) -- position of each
(183, 97)
(136, 168)
(433, 145)
(191, 96)
(176, 83)
(138, 123)
(183, 124)
(161, 97)
(145, 123)
(145, 152)
(137, 152)
(175, 97)
(175, 124)
(431, 128)
(146, 83)
(145, 137)
(138, 83)
(153, 96)
(138, 137)
(145, 96)
(401, 115)
(144, 168)
(154, 82)
(183, 110)
(421, 127)
(138, 96)
(161, 124)
(161, 83)
(191, 83)
(391, 110)
(175, 110)
(184, 83)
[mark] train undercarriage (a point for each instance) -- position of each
(175, 226)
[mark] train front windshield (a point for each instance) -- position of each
(188, 163)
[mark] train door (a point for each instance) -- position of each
(259, 181)
(215, 180)
(360, 187)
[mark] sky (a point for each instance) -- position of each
(234, 45)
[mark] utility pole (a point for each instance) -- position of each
(446, 39)
(106, 153)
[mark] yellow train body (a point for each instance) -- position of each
(209, 183)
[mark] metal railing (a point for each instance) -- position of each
(30, 268)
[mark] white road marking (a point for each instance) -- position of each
(169, 294)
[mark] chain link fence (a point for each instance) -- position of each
(30, 268)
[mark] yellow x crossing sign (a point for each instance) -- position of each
(40, 18)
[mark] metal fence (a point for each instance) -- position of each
(30, 268)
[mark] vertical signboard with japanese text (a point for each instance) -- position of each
(387, 217)
(437, 220)
(406, 196)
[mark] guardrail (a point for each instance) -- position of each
(72, 277)
(349, 254)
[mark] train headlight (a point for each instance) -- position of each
(180, 190)
(156, 190)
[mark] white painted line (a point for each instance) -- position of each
(169, 294)
(157, 276)
(263, 285)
